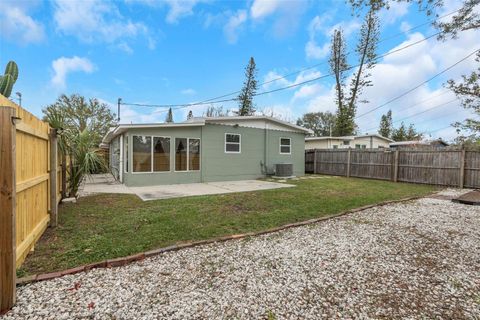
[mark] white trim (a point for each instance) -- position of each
(120, 160)
(169, 154)
(125, 154)
(239, 143)
(188, 156)
(284, 145)
(151, 154)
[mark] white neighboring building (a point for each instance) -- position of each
(368, 141)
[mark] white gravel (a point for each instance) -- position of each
(419, 259)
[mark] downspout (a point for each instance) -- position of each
(265, 158)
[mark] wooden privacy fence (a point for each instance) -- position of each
(458, 168)
(29, 189)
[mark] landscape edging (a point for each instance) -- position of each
(122, 261)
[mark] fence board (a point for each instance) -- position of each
(437, 167)
(32, 158)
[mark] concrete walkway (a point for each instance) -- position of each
(105, 183)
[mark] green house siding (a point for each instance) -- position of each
(258, 146)
(137, 179)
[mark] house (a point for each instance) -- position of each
(417, 144)
(368, 141)
(205, 150)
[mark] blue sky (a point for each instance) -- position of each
(173, 52)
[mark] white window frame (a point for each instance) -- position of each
(169, 155)
(126, 160)
(188, 155)
(284, 145)
(151, 154)
(239, 143)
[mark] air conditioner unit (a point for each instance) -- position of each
(284, 170)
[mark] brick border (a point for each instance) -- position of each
(122, 261)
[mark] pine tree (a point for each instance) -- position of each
(246, 106)
(169, 117)
(190, 115)
(412, 133)
(400, 134)
(366, 51)
(386, 126)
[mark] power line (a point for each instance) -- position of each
(419, 85)
(212, 100)
(418, 113)
(180, 106)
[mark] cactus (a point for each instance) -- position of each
(8, 79)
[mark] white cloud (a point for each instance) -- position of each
(400, 72)
(180, 8)
(63, 66)
(262, 8)
(307, 91)
(318, 28)
(18, 26)
(96, 21)
(394, 12)
(287, 14)
(234, 23)
(188, 91)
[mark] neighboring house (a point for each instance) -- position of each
(369, 141)
(425, 144)
(204, 149)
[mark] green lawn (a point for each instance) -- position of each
(113, 225)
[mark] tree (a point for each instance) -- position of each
(400, 134)
(169, 117)
(413, 134)
(190, 115)
(321, 123)
(78, 113)
(83, 124)
(468, 90)
(386, 126)
(466, 18)
(404, 134)
(245, 98)
(366, 52)
(213, 111)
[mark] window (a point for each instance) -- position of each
(193, 154)
(161, 154)
(335, 146)
(358, 146)
(232, 143)
(181, 154)
(142, 154)
(285, 145)
(346, 142)
(125, 139)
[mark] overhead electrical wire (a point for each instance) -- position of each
(213, 100)
(418, 113)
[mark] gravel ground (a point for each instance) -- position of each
(418, 259)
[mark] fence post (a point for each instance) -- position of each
(314, 161)
(462, 169)
(348, 162)
(7, 208)
(395, 166)
(53, 178)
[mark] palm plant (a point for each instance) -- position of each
(86, 159)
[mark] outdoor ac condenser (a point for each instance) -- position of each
(284, 170)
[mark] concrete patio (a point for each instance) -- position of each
(105, 183)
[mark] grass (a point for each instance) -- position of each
(108, 226)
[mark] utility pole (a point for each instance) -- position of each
(118, 109)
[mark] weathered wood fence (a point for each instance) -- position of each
(30, 188)
(458, 168)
